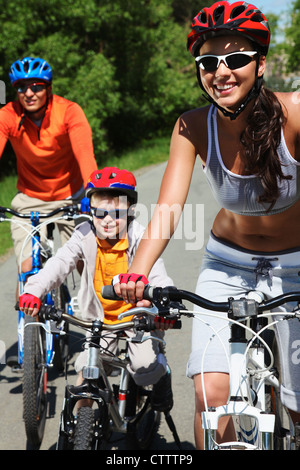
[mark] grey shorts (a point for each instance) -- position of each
(147, 363)
(229, 272)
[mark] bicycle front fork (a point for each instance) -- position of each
(48, 337)
(258, 435)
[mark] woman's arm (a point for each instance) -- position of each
(173, 193)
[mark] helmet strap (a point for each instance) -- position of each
(254, 92)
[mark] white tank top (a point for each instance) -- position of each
(239, 193)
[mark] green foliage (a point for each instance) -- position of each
(292, 33)
(125, 62)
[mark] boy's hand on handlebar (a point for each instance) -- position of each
(29, 304)
(130, 287)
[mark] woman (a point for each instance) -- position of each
(248, 143)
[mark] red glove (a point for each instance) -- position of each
(28, 301)
(125, 278)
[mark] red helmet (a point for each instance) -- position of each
(225, 18)
(114, 179)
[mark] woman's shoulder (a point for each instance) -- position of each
(195, 115)
(192, 125)
(290, 102)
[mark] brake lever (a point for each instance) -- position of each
(139, 310)
(140, 338)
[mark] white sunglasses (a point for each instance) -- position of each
(234, 60)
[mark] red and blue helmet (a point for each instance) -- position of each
(112, 179)
(30, 67)
(225, 18)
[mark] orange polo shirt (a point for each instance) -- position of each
(111, 261)
(55, 160)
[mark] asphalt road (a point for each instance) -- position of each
(182, 259)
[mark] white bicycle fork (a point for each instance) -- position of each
(256, 428)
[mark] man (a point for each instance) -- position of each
(52, 141)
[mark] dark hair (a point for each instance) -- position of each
(261, 139)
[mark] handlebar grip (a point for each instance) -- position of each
(108, 293)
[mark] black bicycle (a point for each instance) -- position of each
(116, 405)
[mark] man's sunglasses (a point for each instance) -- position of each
(234, 60)
(34, 87)
(114, 214)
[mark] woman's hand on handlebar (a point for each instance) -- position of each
(29, 304)
(130, 287)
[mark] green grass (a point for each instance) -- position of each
(149, 153)
(7, 192)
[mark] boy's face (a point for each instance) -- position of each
(111, 223)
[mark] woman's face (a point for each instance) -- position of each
(229, 87)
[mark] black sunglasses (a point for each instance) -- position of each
(114, 213)
(34, 87)
(234, 60)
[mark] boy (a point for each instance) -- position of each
(107, 246)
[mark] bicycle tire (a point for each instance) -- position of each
(84, 429)
(34, 384)
(145, 424)
(61, 342)
(283, 436)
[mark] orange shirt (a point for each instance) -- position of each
(53, 162)
(111, 261)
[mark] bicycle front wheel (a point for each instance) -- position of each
(34, 384)
(84, 429)
(143, 427)
(61, 342)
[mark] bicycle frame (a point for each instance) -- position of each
(23, 276)
(254, 426)
(34, 234)
(96, 386)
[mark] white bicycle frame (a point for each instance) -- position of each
(254, 425)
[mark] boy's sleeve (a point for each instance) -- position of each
(56, 269)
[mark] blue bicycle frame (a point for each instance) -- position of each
(36, 266)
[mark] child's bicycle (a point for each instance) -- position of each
(260, 419)
(38, 348)
(116, 404)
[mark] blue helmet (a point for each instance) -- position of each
(30, 67)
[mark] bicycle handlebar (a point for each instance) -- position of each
(69, 211)
(163, 296)
(142, 323)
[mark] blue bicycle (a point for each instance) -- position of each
(38, 347)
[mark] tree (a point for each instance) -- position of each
(125, 62)
(292, 34)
